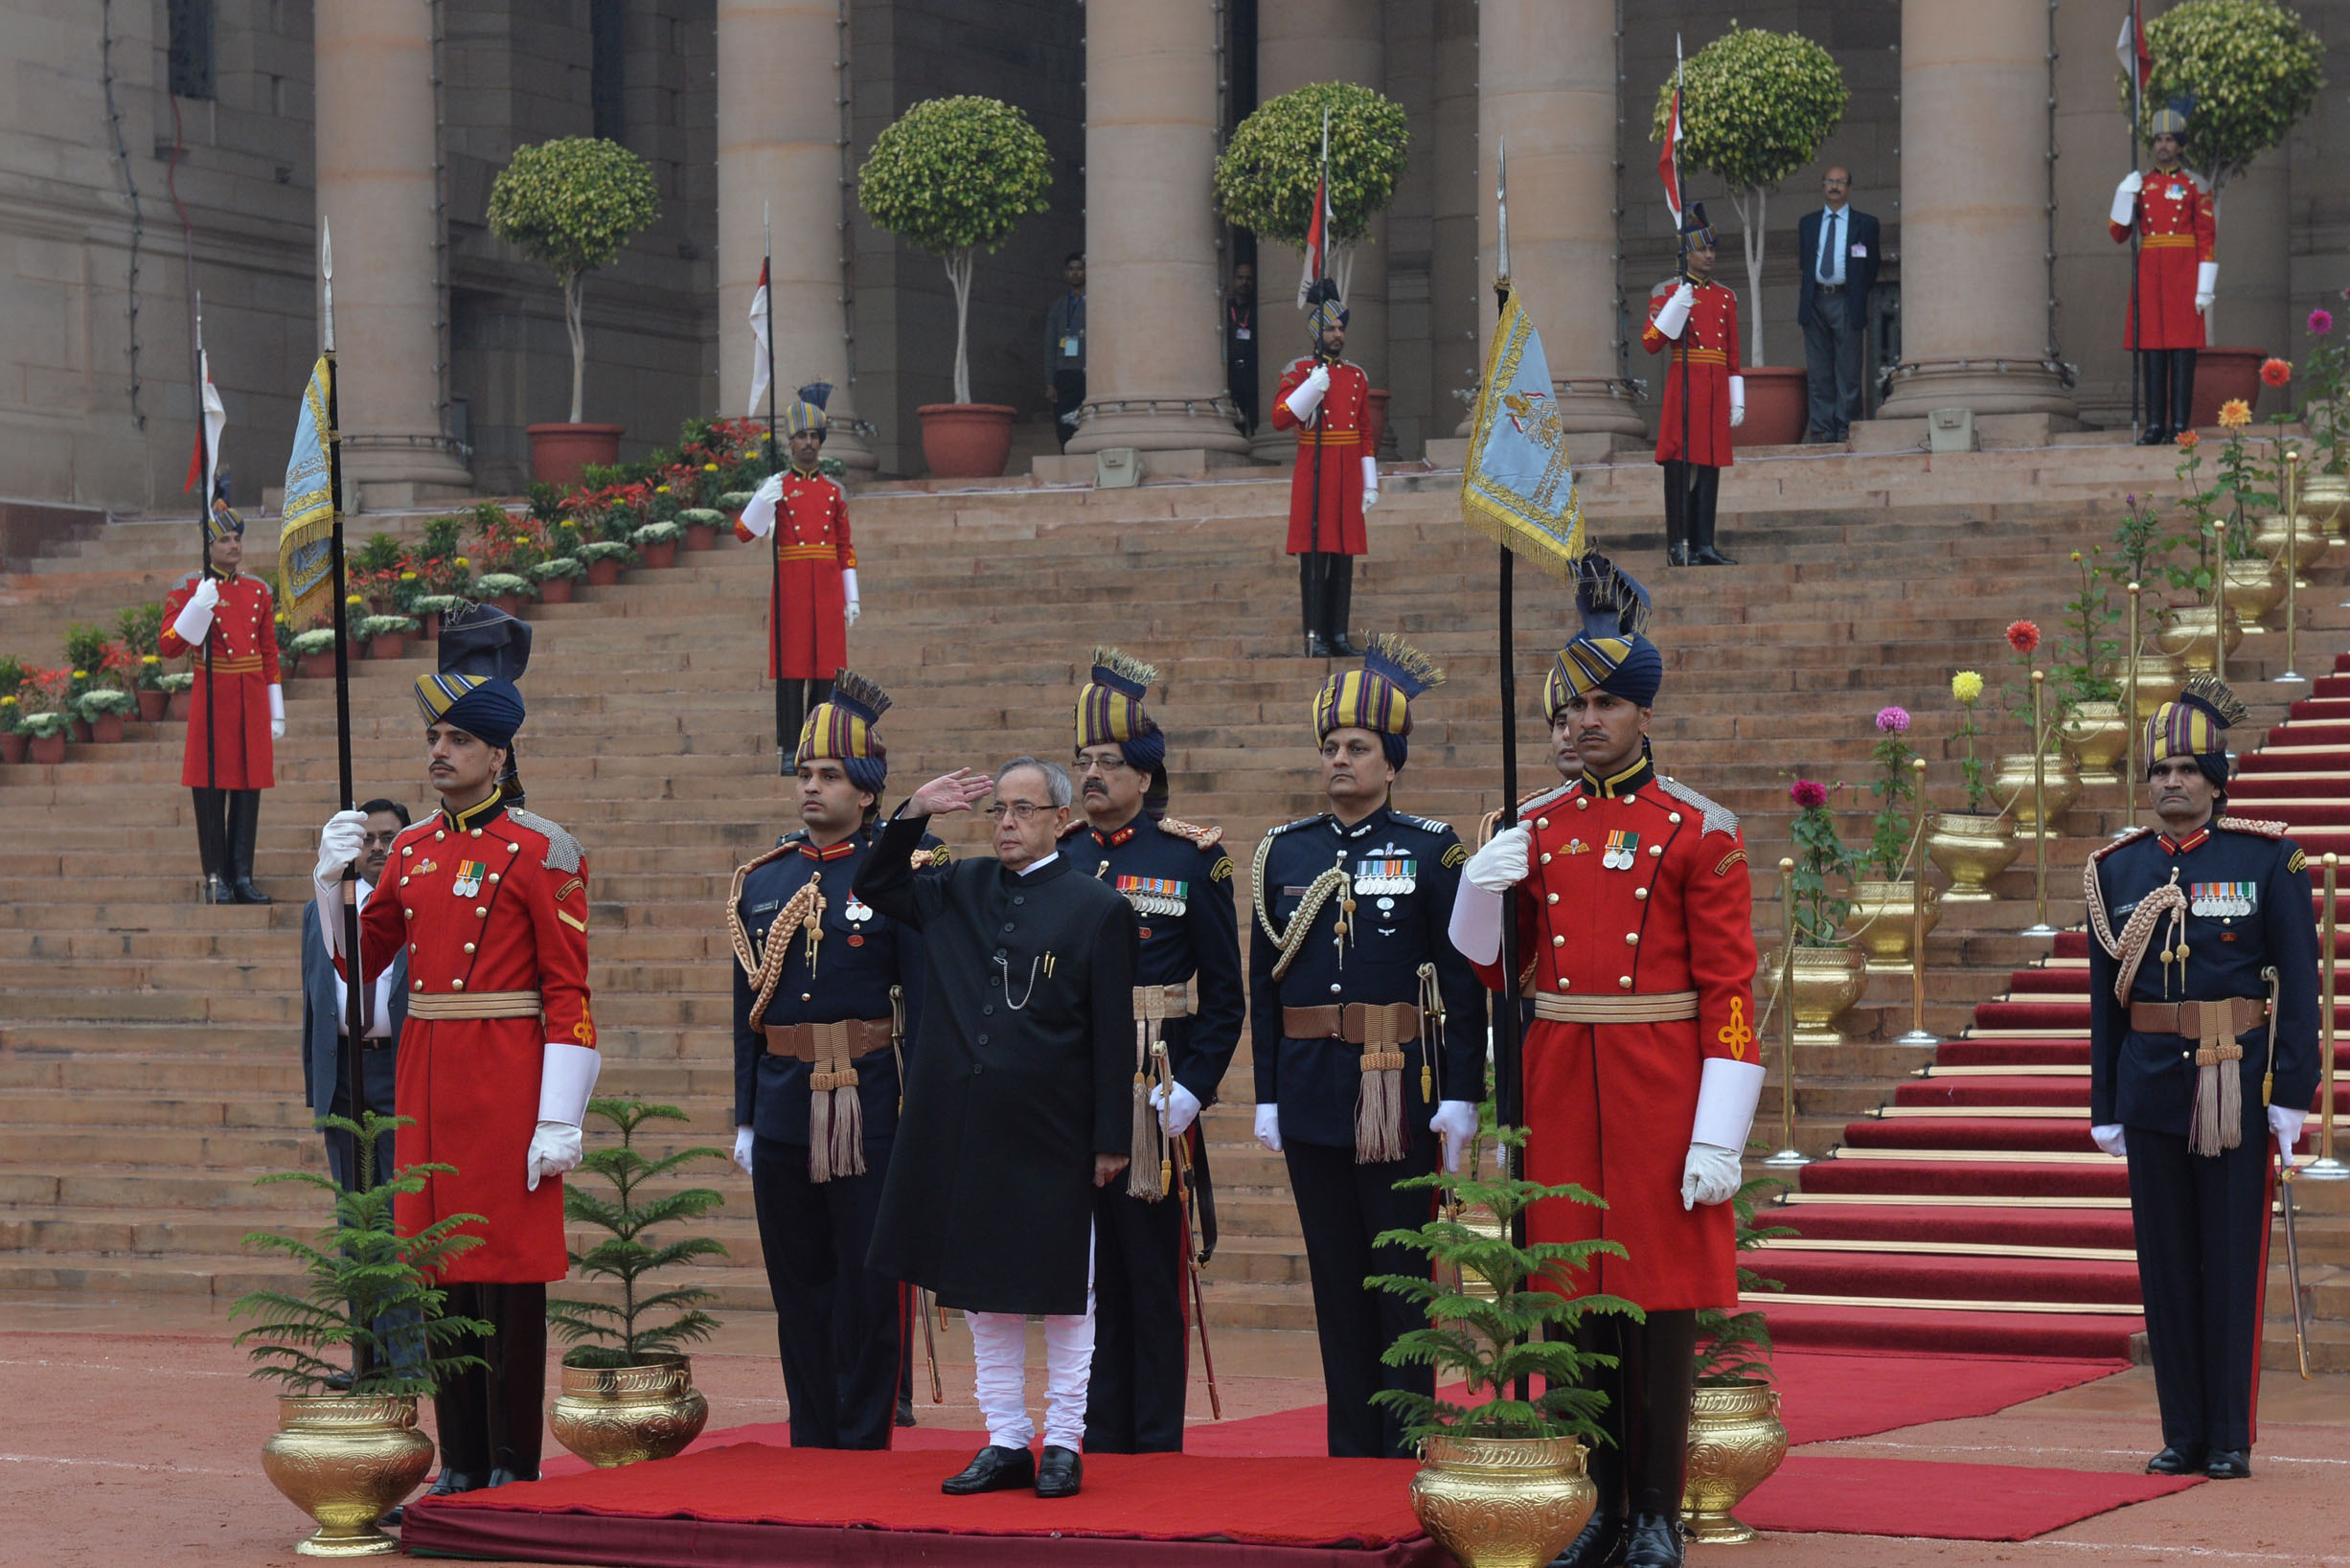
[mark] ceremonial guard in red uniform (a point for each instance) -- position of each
(229, 625)
(2203, 1024)
(1637, 945)
(1697, 319)
(498, 1055)
(816, 602)
(1328, 403)
(1179, 878)
(2174, 219)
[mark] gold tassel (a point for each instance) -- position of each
(1141, 1152)
(848, 1123)
(1379, 1109)
(819, 1128)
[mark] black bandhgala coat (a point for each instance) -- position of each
(1021, 1075)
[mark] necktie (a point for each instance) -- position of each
(1827, 246)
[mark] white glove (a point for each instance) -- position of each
(195, 618)
(742, 1149)
(1308, 393)
(1176, 1111)
(1455, 1121)
(1268, 1128)
(1675, 312)
(2206, 284)
(848, 586)
(277, 712)
(555, 1148)
(1737, 402)
(759, 515)
(2285, 1123)
(2111, 1138)
(2126, 200)
(1502, 864)
(1370, 483)
(339, 842)
(1709, 1175)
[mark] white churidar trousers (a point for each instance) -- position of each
(999, 1349)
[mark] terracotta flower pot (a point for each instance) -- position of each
(152, 705)
(387, 645)
(106, 730)
(965, 441)
(2222, 374)
(700, 537)
(559, 451)
(603, 573)
(13, 747)
(511, 603)
(660, 556)
(1775, 407)
(554, 591)
(81, 728)
(177, 708)
(46, 748)
(427, 626)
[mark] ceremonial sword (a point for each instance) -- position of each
(1181, 1149)
(2284, 1181)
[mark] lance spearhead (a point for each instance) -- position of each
(326, 270)
(1501, 211)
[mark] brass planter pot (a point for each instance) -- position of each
(2306, 542)
(1972, 847)
(612, 1415)
(2253, 588)
(2187, 634)
(1735, 1442)
(1883, 921)
(1502, 1502)
(2096, 735)
(1828, 982)
(346, 1461)
(2011, 785)
(2323, 496)
(2160, 677)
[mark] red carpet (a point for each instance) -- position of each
(1837, 1496)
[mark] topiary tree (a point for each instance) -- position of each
(572, 204)
(1755, 106)
(2250, 69)
(953, 175)
(1266, 178)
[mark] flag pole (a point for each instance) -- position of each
(1681, 349)
(784, 743)
(2137, 324)
(1320, 573)
(1508, 1065)
(203, 535)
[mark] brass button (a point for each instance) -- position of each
(407, 849)
(410, 913)
(480, 913)
(469, 946)
(806, 997)
(1673, 816)
(1582, 803)
(1640, 892)
(456, 985)
(1655, 849)
(514, 849)
(439, 834)
(1631, 939)
(1545, 857)
(493, 876)
(403, 881)
(1624, 982)
(1554, 898)
(1336, 987)
(415, 985)
(1557, 942)
(1541, 822)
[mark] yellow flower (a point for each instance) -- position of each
(1967, 687)
(81, 674)
(710, 467)
(407, 576)
(660, 489)
(150, 659)
(2235, 414)
(354, 599)
(8, 702)
(462, 561)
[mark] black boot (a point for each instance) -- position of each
(1658, 1364)
(1601, 1544)
(1676, 513)
(2155, 371)
(244, 823)
(1702, 496)
(790, 714)
(1339, 604)
(1655, 1542)
(818, 692)
(2183, 391)
(212, 842)
(1310, 605)
(518, 1380)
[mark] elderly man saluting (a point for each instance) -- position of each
(1017, 1101)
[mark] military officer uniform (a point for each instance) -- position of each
(2176, 222)
(1179, 878)
(1366, 1027)
(814, 599)
(1328, 403)
(236, 709)
(825, 997)
(1705, 397)
(2196, 1058)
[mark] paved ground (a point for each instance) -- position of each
(136, 1438)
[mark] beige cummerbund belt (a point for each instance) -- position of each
(484, 1004)
(829, 1042)
(1655, 1008)
(2226, 1016)
(1358, 1023)
(1163, 1001)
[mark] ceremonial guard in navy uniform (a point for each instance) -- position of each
(825, 994)
(2203, 1047)
(1179, 879)
(1367, 1029)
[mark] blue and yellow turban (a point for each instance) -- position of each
(1378, 696)
(1326, 315)
(223, 523)
(486, 707)
(1610, 654)
(1109, 711)
(2196, 725)
(841, 728)
(2171, 119)
(806, 412)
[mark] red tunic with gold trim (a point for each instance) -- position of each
(1638, 887)
(492, 901)
(1340, 418)
(1711, 333)
(244, 667)
(2177, 231)
(812, 552)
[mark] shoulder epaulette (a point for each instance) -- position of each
(1280, 829)
(2128, 836)
(2092, 892)
(1207, 838)
(564, 853)
(2251, 825)
(1716, 818)
(736, 932)
(1665, 287)
(1427, 825)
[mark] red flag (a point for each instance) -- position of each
(2138, 62)
(1317, 243)
(1669, 161)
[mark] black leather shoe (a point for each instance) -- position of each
(1677, 554)
(217, 892)
(1654, 1542)
(1315, 648)
(2154, 436)
(2176, 1462)
(245, 893)
(905, 1412)
(1708, 556)
(2230, 1465)
(1060, 1473)
(393, 1519)
(454, 1482)
(1601, 1545)
(1343, 646)
(503, 1477)
(993, 1469)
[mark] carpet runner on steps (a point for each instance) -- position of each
(1972, 1211)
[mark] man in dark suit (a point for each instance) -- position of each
(1837, 255)
(326, 1056)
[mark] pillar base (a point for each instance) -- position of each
(1157, 424)
(1072, 467)
(381, 473)
(1985, 386)
(850, 447)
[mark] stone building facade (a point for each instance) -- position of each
(154, 148)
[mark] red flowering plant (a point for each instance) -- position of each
(610, 512)
(506, 542)
(118, 667)
(1820, 856)
(2024, 636)
(45, 702)
(2325, 391)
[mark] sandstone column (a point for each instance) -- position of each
(1547, 88)
(1974, 215)
(376, 189)
(1155, 357)
(778, 135)
(1455, 288)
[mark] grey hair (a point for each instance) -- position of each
(1057, 786)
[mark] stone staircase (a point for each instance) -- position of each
(148, 1068)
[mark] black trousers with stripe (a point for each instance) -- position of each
(2201, 1224)
(1135, 1405)
(1341, 1207)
